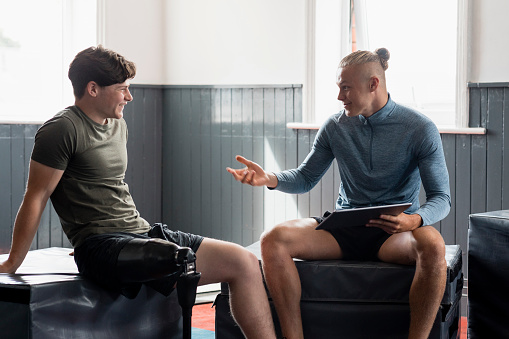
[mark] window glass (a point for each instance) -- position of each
(332, 30)
(37, 42)
(421, 37)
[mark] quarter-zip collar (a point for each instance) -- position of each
(372, 121)
(381, 114)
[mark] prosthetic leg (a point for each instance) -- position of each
(144, 260)
(186, 289)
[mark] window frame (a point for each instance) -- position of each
(309, 90)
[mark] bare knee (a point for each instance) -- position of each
(430, 247)
(273, 235)
(246, 264)
(221, 261)
(273, 240)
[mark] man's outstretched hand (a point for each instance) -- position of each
(253, 174)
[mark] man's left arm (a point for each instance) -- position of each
(435, 181)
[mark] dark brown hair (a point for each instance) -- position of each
(101, 65)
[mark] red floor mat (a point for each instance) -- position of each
(204, 318)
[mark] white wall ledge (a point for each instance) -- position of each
(441, 129)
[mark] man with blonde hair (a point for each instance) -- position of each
(384, 151)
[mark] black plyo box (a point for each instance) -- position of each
(488, 275)
(353, 298)
(49, 299)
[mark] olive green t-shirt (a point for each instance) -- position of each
(92, 197)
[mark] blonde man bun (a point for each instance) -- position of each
(381, 55)
(384, 55)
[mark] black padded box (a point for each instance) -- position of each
(351, 299)
(47, 298)
(488, 275)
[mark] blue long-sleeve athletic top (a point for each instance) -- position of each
(381, 159)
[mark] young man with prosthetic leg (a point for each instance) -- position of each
(79, 161)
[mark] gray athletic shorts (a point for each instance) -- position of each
(358, 242)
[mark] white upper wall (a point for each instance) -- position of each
(135, 29)
(489, 45)
(235, 42)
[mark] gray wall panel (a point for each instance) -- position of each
(184, 154)
(152, 151)
(258, 157)
(5, 188)
(214, 228)
(303, 147)
(474, 117)
(462, 197)
(447, 225)
(208, 183)
(315, 195)
(181, 140)
(505, 148)
(196, 154)
(269, 153)
(494, 149)
(248, 210)
(16, 143)
(144, 147)
(205, 211)
(236, 148)
(279, 150)
(226, 181)
(478, 174)
(168, 139)
(136, 125)
(292, 99)
(18, 169)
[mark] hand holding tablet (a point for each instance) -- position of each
(359, 216)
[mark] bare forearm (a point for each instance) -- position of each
(25, 227)
(42, 181)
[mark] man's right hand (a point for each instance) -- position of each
(253, 174)
(6, 267)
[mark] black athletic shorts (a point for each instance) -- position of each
(358, 242)
(96, 258)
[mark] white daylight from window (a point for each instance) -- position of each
(38, 40)
(421, 37)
